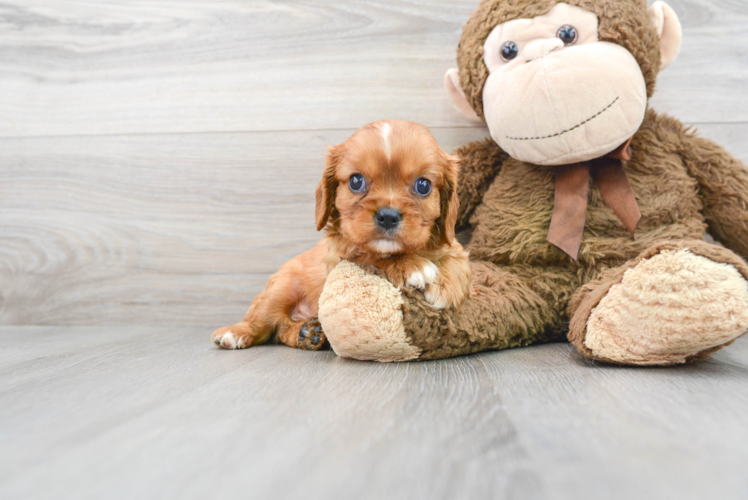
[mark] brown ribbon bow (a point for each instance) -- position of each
(570, 199)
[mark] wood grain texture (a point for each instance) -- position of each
(127, 196)
(74, 67)
(157, 163)
(155, 229)
(165, 230)
(151, 412)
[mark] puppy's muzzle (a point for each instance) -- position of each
(388, 218)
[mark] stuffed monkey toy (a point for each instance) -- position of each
(587, 208)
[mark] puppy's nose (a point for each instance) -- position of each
(388, 218)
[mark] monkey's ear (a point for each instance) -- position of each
(450, 201)
(669, 30)
(325, 196)
(455, 93)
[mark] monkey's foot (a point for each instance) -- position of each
(672, 306)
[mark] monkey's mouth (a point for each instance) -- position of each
(558, 134)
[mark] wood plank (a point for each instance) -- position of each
(70, 67)
(155, 229)
(165, 229)
(158, 412)
(711, 60)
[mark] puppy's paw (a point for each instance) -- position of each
(435, 296)
(311, 336)
(231, 337)
(423, 277)
(443, 297)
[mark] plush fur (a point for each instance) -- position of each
(623, 22)
(377, 303)
(529, 291)
(615, 316)
(648, 318)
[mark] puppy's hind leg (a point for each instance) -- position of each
(285, 305)
(266, 312)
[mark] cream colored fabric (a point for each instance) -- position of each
(454, 91)
(669, 29)
(555, 104)
(362, 316)
(667, 308)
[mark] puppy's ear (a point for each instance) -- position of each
(327, 187)
(450, 202)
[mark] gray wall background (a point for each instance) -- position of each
(158, 159)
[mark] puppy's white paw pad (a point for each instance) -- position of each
(423, 277)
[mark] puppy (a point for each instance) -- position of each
(388, 199)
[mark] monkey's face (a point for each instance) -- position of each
(564, 83)
(555, 93)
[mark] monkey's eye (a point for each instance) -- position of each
(422, 187)
(357, 183)
(509, 51)
(567, 34)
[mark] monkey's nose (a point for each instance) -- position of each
(388, 218)
(540, 48)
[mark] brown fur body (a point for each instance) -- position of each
(529, 291)
(391, 156)
(526, 289)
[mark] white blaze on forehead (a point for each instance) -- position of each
(386, 129)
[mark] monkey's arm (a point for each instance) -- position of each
(723, 188)
(480, 163)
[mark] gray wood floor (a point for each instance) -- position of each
(151, 412)
(157, 163)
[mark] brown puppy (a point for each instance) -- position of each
(388, 199)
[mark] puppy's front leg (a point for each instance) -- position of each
(445, 283)
(422, 274)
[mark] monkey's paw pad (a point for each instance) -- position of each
(362, 316)
(667, 308)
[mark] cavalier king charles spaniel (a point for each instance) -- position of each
(387, 199)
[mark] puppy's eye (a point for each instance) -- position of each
(509, 51)
(422, 187)
(567, 34)
(357, 183)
